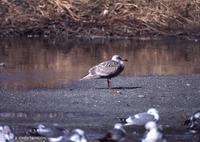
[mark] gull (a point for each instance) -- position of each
(6, 134)
(140, 119)
(193, 122)
(54, 134)
(153, 133)
(2, 64)
(107, 69)
(114, 135)
(77, 135)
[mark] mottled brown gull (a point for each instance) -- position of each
(107, 69)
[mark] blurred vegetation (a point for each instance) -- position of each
(115, 18)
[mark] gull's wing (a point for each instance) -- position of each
(105, 68)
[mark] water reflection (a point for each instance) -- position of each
(43, 116)
(39, 63)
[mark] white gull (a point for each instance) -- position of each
(6, 134)
(153, 133)
(142, 118)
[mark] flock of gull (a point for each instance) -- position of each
(149, 120)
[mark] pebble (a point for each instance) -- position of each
(188, 84)
(141, 96)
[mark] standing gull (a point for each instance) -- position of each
(107, 69)
(140, 119)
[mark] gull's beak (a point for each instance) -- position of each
(125, 60)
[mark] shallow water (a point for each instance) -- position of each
(39, 63)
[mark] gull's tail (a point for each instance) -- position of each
(90, 76)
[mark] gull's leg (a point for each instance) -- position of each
(109, 83)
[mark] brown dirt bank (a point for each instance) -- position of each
(101, 18)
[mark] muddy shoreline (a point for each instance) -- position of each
(46, 31)
(90, 103)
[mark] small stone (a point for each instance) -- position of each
(105, 12)
(188, 84)
(141, 96)
(118, 92)
(29, 36)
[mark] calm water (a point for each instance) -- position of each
(40, 63)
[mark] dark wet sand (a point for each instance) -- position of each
(91, 106)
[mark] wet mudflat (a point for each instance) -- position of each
(40, 84)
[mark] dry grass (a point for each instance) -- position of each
(127, 18)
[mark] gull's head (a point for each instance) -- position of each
(153, 112)
(119, 126)
(150, 125)
(117, 58)
(197, 115)
(42, 129)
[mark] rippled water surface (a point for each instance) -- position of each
(43, 63)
